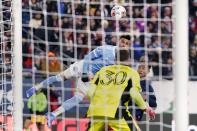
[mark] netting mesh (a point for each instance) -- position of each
(71, 29)
(6, 47)
(68, 30)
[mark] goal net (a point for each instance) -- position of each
(57, 33)
(6, 48)
(10, 66)
(70, 29)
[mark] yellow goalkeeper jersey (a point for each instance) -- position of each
(115, 85)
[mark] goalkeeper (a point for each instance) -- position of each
(92, 63)
(115, 85)
(111, 95)
(147, 90)
(108, 103)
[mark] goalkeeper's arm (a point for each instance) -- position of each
(134, 93)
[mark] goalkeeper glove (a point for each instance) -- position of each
(84, 77)
(150, 112)
(50, 117)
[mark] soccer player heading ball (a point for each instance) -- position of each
(118, 12)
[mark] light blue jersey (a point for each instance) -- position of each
(98, 58)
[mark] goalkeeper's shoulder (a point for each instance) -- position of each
(132, 71)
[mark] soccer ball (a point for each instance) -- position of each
(118, 12)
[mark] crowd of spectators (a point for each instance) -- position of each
(70, 29)
(74, 28)
(5, 40)
(193, 39)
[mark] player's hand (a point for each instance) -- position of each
(84, 77)
(150, 112)
(30, 92)
(50, 117)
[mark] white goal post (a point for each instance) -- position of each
(17, 65)
(181, 65)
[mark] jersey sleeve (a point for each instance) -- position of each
(96, 53)
(93, 84)
(136, 81)
(134, 93)
(135, 90)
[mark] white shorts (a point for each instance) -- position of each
(75, 70)
(83, 86)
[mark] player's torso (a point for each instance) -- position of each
(106, 59)
(112, 83)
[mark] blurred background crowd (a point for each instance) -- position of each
(68, 30)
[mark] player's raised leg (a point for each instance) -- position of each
(75, 70)
(82, 89)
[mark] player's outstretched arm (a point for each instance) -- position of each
(44, 83)
(150, 112)
(134, 93)
(136, 96)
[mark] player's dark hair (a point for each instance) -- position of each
(128, 37)
(122, 55)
